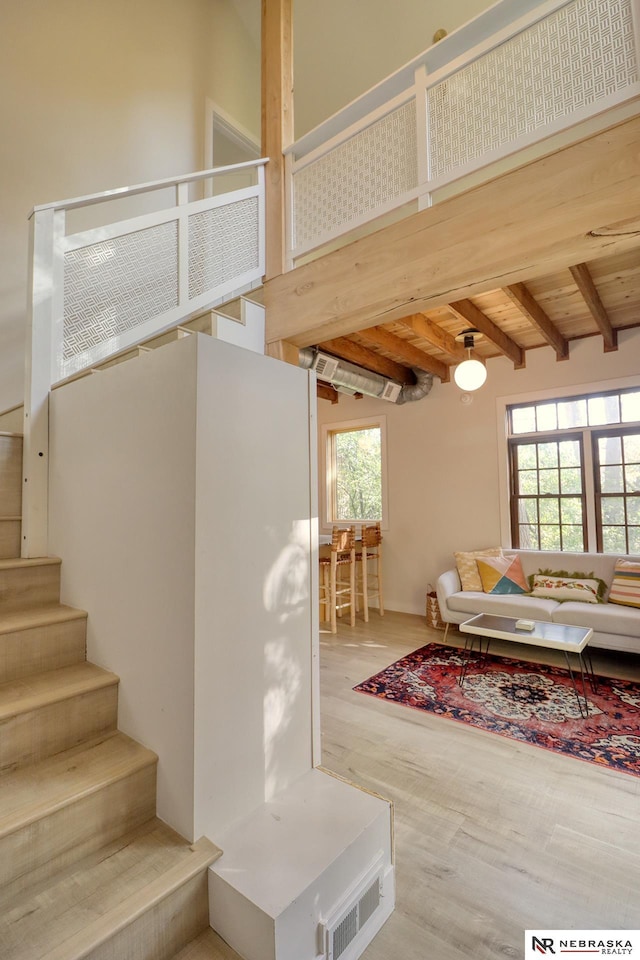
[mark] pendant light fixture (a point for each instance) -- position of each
(470, 374)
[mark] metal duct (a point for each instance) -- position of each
(417, 390)
(341, 373)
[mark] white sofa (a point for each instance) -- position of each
(615, 627)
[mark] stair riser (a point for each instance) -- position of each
(159, 933)
(9, 539)
(37, 851)
(10, 476)
(41, 732)
(36, 650)
(24, 586)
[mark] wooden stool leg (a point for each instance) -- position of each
(365, 585)
(379, 569)
(333, 587)
(352, 589)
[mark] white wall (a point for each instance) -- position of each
(180, 503)
(443, 459)
(253, 614)
(99, 95)
(122, 517)
(343, 48)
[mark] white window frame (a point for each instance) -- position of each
(326, 480)
(553, 393)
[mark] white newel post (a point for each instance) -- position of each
(422, 136)
(45, 227)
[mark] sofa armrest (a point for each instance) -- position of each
(448, 584)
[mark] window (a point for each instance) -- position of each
(574, 486)
(354, 460)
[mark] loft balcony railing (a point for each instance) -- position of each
(102, 288)
(519, 73)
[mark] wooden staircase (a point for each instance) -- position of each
(86, 868)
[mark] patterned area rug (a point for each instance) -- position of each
(533, 703)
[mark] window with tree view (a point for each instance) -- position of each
(575, 486)
(354, 473)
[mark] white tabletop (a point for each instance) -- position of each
(558, 636)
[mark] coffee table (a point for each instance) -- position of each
(552, 636)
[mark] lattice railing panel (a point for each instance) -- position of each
(359, 176)
(223, 243)
(115, 285)
(577, 55)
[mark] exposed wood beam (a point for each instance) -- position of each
(325, 391)
(356, 353)
(587, 288)
(277, 122)
(531, 309)
(429, 330)
(409, 353)
(472, 315)
(543, 217)
(283, 350)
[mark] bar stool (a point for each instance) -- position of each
(335, 592)
(370, 581)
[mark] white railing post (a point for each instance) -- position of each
(422, 137)
(44, 228)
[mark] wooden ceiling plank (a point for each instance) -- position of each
(531, 309)
(544, 216)
(325, 391)
(586, 286)
(356, 353)
(472, 315)
(410, 353)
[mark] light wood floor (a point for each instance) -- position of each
(492, 837)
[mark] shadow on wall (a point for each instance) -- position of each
(287, 658)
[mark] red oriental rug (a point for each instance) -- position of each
(532, 703)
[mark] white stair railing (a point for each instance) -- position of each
(518, 73)
(97, 291)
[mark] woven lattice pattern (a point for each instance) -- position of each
(115, 285)
(574, 57)
(223, 243)
(375, 166)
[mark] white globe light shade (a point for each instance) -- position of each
(470, 374)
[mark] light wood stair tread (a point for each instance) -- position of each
(76, 912)
(26, 618)
(19, 563)
(40, 689)
(208, 946)
(48, 785)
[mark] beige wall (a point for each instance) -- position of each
(344, 48)
(98, 95)
(443, 459)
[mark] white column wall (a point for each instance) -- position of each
(180, 504)
(122, 517)
(252, 547)
(444, 458)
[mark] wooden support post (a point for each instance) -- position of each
(277, 122)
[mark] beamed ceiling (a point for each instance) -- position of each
(538, 257)
(597, 298)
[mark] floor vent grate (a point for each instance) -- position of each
(349, 919)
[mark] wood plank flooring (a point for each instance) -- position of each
(492, 837)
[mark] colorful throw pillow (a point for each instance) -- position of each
(503, 574)
(564, 588)
(468, 568)
(625, 588)
(576, 575)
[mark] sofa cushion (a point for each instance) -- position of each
(512, 605)
(603, 618)
(468, 568)
(501, 575)
(625, 588)
(564, 588)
